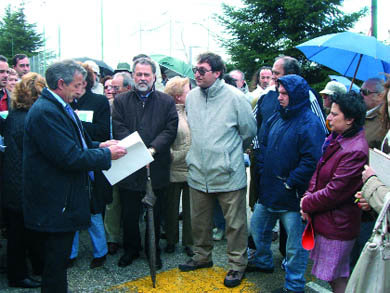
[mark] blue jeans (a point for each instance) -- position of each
(97, 235)
(262, 222)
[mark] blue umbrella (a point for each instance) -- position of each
(350, 54)
(345, 81)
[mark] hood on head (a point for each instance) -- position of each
(297, 89)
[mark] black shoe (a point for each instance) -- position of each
(233, 278)
(189, 251)
(26, 283)
(97, 262)
(127, 259)
(170, 248)
(192, 265)
(254, 268)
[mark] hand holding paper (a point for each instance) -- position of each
(137, 157)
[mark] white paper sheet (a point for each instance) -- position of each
(86, 116)
(380, 162)
(137, 157)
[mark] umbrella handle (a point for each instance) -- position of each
(354, 76)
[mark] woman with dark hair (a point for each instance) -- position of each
(20, 241)
(329, 200)
(99, 130)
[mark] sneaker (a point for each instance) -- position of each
(233, 278)
(218, 235)
(192, 265)
(251, 253)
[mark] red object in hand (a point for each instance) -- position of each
(308, 236)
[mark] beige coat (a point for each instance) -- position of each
(180, 147)
(374, 129)
(374, 191)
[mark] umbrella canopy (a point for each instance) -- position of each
(349, 54)
(179, 67)
(345, 81)
(105, 69)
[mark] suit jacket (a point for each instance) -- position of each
(98, 130)
(57, 190)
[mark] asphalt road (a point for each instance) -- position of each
(135, 278)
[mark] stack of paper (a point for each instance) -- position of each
(380, 162)
(136, 158)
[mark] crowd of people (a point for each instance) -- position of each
(307, 153)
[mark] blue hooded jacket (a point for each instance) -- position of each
(289, 148)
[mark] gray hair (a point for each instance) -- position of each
(145, 61)
(240, 72)
(127, 79)
(290, 65)
(64, 70)
(379, 84)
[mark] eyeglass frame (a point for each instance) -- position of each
(202, 71)
(366, 92)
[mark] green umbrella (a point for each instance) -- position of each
(180, 67)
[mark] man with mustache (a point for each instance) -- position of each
(153, 114)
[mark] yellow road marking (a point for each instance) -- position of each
(203, 280)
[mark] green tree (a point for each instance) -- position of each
(17, 36)
(264, 29)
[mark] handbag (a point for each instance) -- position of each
(372, 271)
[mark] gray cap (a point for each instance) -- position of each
(334, 87)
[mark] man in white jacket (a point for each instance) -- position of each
(222, 127)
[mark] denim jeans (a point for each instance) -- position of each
(263, 220)
(97, 235)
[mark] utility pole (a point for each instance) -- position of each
(59, 42)
(101, 28)
(374, 18)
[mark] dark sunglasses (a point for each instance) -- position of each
(366, 92)
(201, 70)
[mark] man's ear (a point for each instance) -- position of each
(218, 73)
(60, 84)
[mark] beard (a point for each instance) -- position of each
(143, 87)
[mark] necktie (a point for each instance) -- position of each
(85, 147)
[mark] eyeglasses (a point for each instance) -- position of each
(201, 70)
(108, 87)
(366, 92)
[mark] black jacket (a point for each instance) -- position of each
(98, 130)
(56, 194)
(12, 160)
(156, 121)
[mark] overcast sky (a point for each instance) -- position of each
(172, 27)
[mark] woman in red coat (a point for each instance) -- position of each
(329, 201)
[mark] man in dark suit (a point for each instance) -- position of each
(153, 114)
(57, 162)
